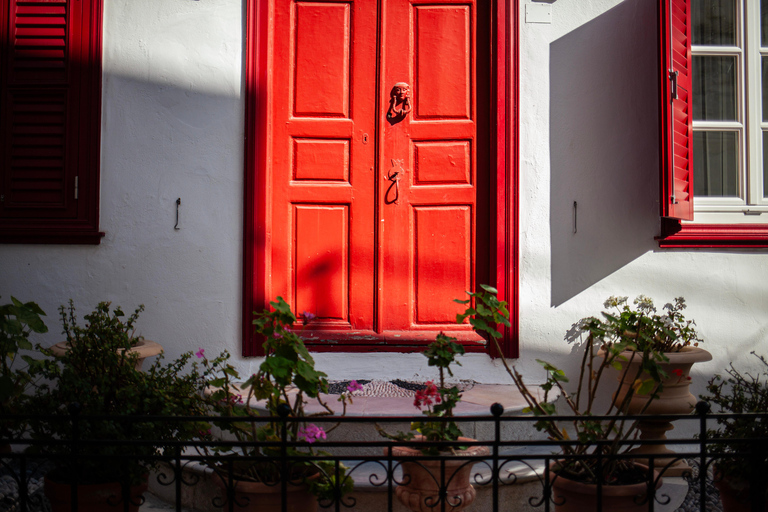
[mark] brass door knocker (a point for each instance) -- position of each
(399, 102)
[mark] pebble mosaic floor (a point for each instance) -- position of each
(386, 389)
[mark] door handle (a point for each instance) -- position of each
(394, 176)
(399, 102)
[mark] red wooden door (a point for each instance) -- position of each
(376, 222)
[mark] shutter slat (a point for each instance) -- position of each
(677, 147)
(36, 159)
(40, 42)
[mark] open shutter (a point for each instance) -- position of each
(38, 178)
(676, 110)
(50, 98)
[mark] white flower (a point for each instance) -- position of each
(613, 301)
(644, 304)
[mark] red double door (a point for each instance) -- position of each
(375, 223)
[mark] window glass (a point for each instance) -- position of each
(764, 86)
(763, 22)
(715, 163)
(765, 165)
(714, 88)
(714, 22)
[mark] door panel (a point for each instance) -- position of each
(375, 222)
(322, 155)
(429, 234)
(442, 58)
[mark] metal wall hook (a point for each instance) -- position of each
(178, 204)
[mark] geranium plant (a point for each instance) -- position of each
(581, 440)
(436, 400)
(286, 378)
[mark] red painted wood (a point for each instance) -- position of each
(677, 235)
(321, 225)
(443, 262)
(417, 246)
(502, 219)
(676, 113)
(50, 120)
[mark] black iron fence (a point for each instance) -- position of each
(361, 471)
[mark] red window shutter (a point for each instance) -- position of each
(676, 110)
(49, 119)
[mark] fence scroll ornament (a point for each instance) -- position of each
(514, 468)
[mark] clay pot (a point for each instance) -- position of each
(144, 348)
(735, 495)
(106, 497)
(572, 496)
(420, 491)
(259, 497)
(674, 398)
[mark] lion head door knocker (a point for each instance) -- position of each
(399, 102)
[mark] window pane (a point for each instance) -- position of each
(714, 88)
(763, 22)
(764, 86)
(714, 22)
(715, 164)
(765, 165)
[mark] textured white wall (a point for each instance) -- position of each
(173, 127)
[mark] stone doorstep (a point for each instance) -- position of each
(474, 401)
(519, 488)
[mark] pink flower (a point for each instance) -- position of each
(308, 316)
(427, 396)
(354, 386)
(200, 353)
(312, 433)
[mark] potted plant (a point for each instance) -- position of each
(741, 471)
(427, 483)
(593, 449)
(17, 321)
(248, 472)
(136, 344)
(673, 341)
(91, 402)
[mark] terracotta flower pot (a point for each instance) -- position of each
(259, 497)
(420, 490)
(572, 496)
(674, 398)
(144, 348)
(735, 495)
(106, 497)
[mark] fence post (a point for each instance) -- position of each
(757, 476)
(284, 410)
(497, 410)
(74, 413)
(702, 408)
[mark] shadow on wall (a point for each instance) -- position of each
(604, 137)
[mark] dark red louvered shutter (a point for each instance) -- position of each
(50, 118)
(676, 110)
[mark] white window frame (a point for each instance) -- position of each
(750, 206)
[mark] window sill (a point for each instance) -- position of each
(674, 234)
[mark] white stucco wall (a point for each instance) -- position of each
(173, 128)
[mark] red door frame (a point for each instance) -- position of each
(504, 162)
